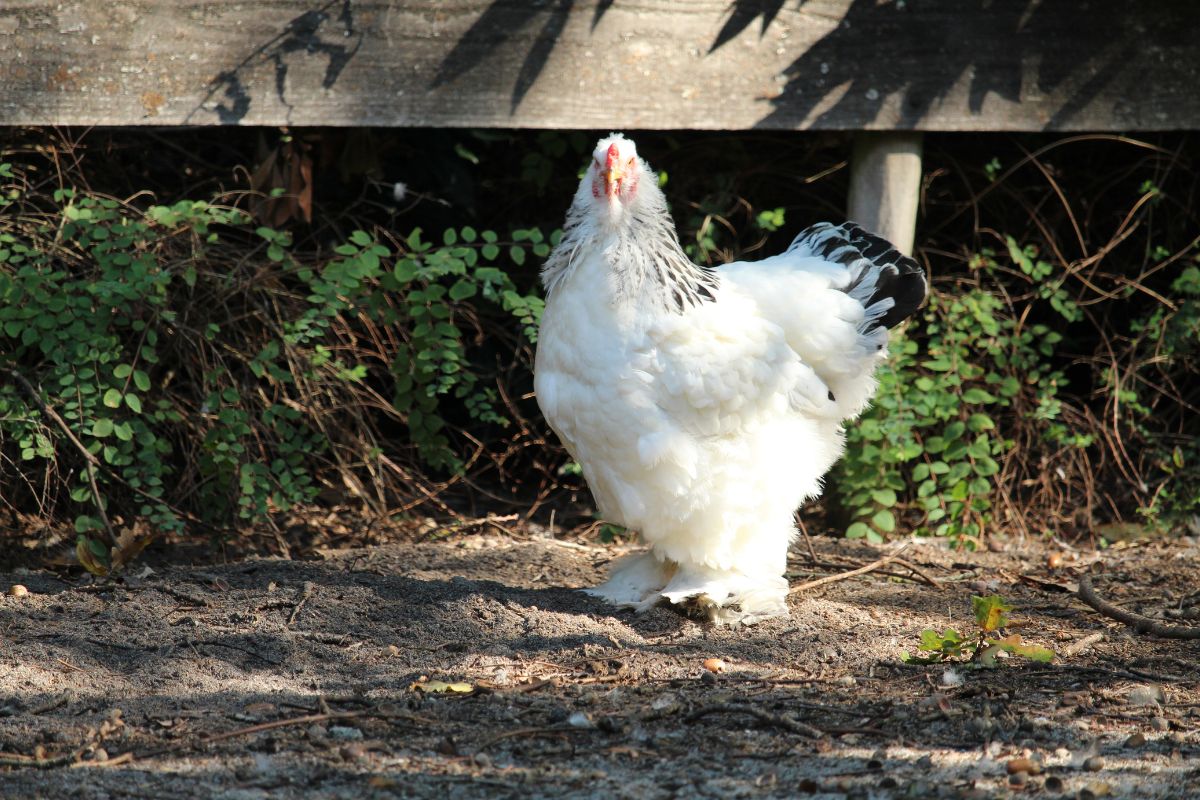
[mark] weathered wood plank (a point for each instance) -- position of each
(704, 64)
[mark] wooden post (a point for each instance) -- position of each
(885, 184)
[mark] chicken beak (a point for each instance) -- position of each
(612, 172)
(612, 180)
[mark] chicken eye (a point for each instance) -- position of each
(629, 163)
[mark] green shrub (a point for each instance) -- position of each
(930, 447)
(213, 375)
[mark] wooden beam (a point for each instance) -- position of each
(604, 64)
(885, 185)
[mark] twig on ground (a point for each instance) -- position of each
(1136, 621)
(812, 553)
(227, 646)
(305, 592)
(116, 761)
(775, 720)
(874, 565)
(187, 598)
(250, 730)
(920, 573)
(19, 760)
(542, 731)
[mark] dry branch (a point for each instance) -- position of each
(874, 565)
(1136, 621)
(775, 720)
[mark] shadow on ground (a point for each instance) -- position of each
(273, 678)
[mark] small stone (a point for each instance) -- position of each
(1054, 784)
(714, 665)
(482, 760)
(846, 680)
(707, 677)
(580, 720)
(1145, 695)
(1095, 790)
(1136, 740)
(1017, 779)
(1093, 763)
(355, 751)
(344, 733)
(666, 703)
(609, 725)
(1160, 724)
(1028, 765)
(17, 590)
(317, 732)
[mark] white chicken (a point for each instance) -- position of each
(704, 406)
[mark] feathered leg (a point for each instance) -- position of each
(635, 581)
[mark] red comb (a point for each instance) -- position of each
(613, 156)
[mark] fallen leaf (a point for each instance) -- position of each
(441, 687)
(127, 547)
(93, 555)
(1013, 644)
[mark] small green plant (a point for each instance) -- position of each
(991, 617)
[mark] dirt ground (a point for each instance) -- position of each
(317, 678)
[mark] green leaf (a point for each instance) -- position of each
(885, 497)
(361, 238)
(990, 611)
(857, 530)
(112, 398)
(977, 396)
(122, 371)
(102, 427)
(462, 290)
(980, 422)
(405, 270)
(134, 403)
(517, 254)
(884, 521)
(141, 380)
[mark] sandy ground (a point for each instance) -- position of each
(315, 679)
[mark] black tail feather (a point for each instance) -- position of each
(894, 274)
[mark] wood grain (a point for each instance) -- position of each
(605, 64)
